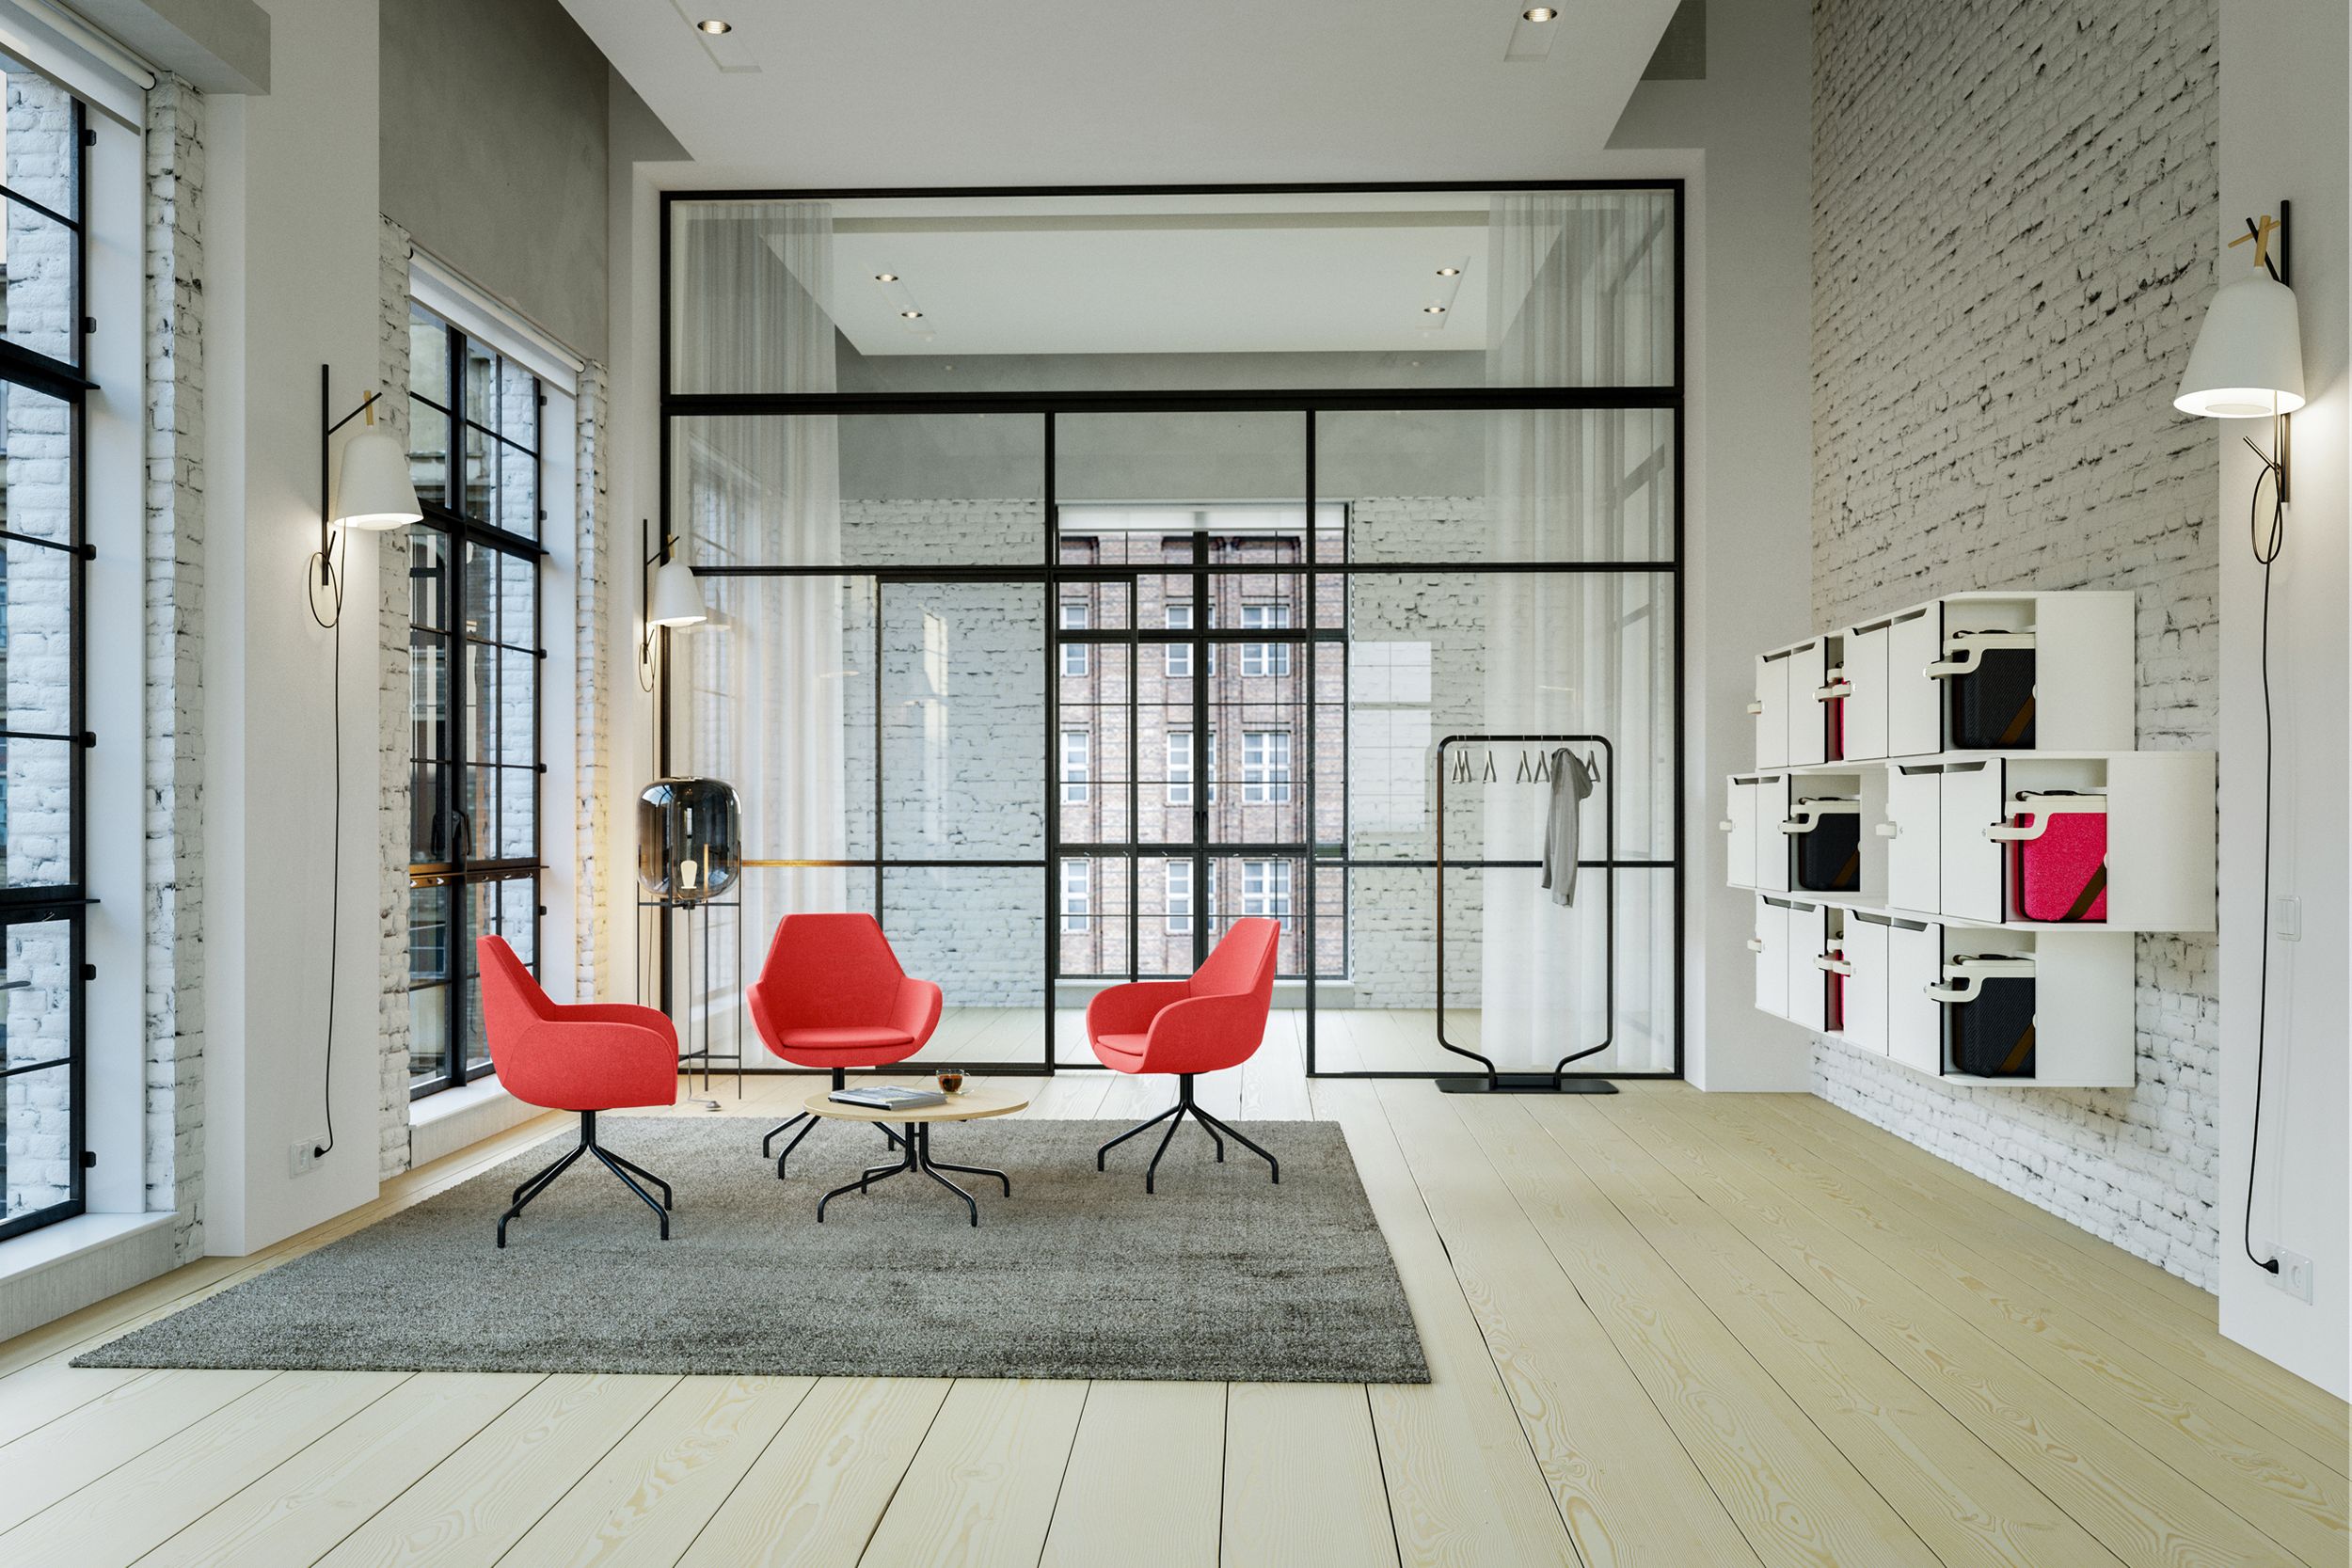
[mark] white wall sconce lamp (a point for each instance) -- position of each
(672, 599)
(369, 490)
(2247, 364)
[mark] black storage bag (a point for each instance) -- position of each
(1992, 1036)
(1993, 703)
(1829, 859)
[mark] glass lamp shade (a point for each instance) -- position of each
(677, 598)
(2249, 358)
(690, 839)
(371, 488)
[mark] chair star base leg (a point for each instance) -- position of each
(628, 1170)
(1174, 1115)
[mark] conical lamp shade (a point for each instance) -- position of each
(677, 598)
(2248, 359)
(371, 488)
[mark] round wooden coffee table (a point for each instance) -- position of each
(914, 1143)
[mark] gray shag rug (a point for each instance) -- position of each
(1222, 1275)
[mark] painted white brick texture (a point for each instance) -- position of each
(2013, 229)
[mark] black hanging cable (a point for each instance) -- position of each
(334, 578)
(2266, 542)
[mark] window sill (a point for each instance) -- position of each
(441, 1124)
(64, 1267)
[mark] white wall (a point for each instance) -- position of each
(293, 242)
(2286, 125)
(1747, 474)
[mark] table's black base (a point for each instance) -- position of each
(1524, 1082)
(916, 1145)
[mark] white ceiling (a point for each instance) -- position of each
(1164, 284)
(880, 93)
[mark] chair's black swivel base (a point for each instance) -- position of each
(807, 1124)
(627, 1171)
(1174, 1115)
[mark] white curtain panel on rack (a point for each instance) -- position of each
(1573, 283)
(773, 671)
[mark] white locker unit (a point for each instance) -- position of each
(1863, 652)
(1948, 864)
(1771, 946)
(1913, 830)
(1865, 941)
(1771, 708)
(1808, 983)
(1914, 1020)
(1915, 699)
(1756, 804)
(1807, 734)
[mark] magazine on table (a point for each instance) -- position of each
(887, 1097)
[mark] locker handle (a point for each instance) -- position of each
(2042, 808)
(1965, 991)
(1727, 826)
(1756, 944)
(1832, 691)
(1965, 650)
(1756, 709)
(1888, 830)
(1833, 966)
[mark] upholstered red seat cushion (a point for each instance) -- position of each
(1123, 1052)
(843, 1039)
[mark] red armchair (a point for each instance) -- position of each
(1215, 1020)
(831, 995)
(586, 1059)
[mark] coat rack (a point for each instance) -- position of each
(1603, 766)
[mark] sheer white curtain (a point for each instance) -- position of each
(1578, 294)
(766, 711)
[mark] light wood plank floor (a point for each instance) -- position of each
(1665, 1328)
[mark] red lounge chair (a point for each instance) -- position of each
(832, 997)
(1215, 1020)
(601, 1057)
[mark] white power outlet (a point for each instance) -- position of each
(303, 1158)
(2294, 1276)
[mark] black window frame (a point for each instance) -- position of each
(1191, 559)
(69, 901)
(456, 874)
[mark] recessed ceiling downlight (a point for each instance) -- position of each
(910, 315)
(1449, 271)
(1539, 13)
(885, 278)
(713, 25)
(1433, 309)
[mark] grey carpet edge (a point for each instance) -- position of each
(1404, 1361)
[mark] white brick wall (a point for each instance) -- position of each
(2012, 224)
(394, 705)
(592, 706)
(175, 629)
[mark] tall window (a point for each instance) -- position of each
(476, 653)
(1265, 888)
(1077, 765)
(1265, 659)
(1179, 768)
(1078, 895)
(1178, 654)
(42, 1146)
(1179, 897)
(1073, 655)
(1266, 765)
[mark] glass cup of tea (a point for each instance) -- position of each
(951, 1082)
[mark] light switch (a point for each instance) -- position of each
(2286, 918)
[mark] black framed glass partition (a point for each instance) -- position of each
(44, 897)
(1060, 630)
